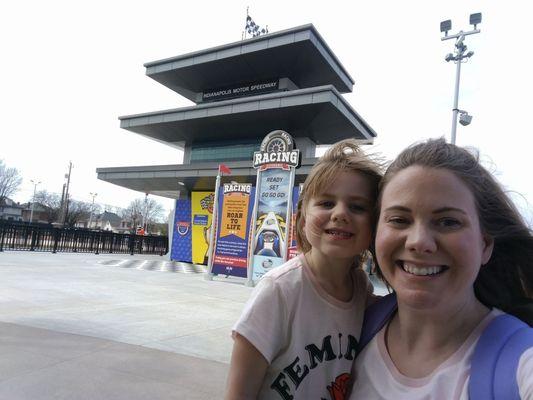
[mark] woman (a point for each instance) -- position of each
(457, 254)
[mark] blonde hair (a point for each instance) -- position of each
(343, 156)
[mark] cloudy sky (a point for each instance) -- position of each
(70, 68)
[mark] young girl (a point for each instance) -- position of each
(298, 333)
(459, 257)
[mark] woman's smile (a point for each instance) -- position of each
(418, 269)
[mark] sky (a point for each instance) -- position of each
(69, 69)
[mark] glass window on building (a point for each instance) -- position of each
(224, 152)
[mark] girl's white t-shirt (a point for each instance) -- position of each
(376, 376)
(308, 337)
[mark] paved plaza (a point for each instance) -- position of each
(85, 326)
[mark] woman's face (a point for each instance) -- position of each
(429, 242)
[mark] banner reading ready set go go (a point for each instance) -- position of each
(275, 162)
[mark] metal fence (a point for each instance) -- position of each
(42, 237)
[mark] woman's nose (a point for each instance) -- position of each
(420, 239)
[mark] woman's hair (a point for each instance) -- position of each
(343, 156)
(506, 281)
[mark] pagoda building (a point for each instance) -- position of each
(288, 80)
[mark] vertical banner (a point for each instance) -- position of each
(269, 242)
(235, 202)
(202, 211)
(182, 235)
(292, 251)
(275, 162)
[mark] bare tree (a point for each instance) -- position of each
(94, 209)
(153, 212)
(133, 212)
(112, 209)
(150, 209)
(77, 211)
(51, 203)
(10, 181)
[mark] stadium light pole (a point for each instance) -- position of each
(145, 219)
(460, 55)
(93, 195)
(33, 199)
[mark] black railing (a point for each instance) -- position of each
(42, 237)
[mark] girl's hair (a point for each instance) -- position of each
(506, 281)
(343, 156)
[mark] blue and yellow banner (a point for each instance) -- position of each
(182, 235)
(235, 203)
(202, 212)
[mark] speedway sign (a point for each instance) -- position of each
(277, 151)
(290, 158)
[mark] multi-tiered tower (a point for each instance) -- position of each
(288, 80)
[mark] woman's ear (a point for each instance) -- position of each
(488, 246)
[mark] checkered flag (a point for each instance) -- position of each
(253, 29)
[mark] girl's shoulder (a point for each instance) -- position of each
(285, 280)
(290, 270)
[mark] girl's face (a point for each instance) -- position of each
(338, 222)
(429, 242)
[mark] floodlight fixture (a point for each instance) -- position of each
(475, 19)
(446, 26)
(464, 118)
(449, 57)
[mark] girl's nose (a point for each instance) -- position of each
(339, 213)
(420, 239)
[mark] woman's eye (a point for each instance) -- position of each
(397, 221)
(448, 222)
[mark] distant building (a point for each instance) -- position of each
(106, 221)
(10, 211)
(41, 213)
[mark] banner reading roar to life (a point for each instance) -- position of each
(231, 245)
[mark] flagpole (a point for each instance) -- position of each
(244, 33)
(209, 275)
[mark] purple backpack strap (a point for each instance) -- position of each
(376, 316)
(495, 359)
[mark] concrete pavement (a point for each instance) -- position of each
(85, 326)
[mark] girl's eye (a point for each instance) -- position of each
(326, 204)
(357, 208)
